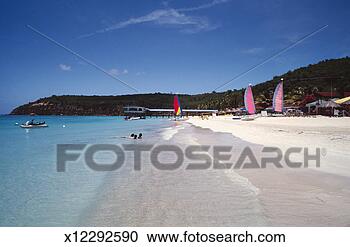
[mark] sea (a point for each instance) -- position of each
(34, 193)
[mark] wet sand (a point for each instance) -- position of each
(227, 197)
(153, 197)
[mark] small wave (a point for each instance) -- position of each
(168, 133)
(243, 181)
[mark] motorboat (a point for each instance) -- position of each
(32, 124)
(132, 118)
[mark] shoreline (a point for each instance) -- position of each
(295, 197)
(331, 135)
(179, 197)
(220, 197)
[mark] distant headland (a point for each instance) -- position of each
(328, 76)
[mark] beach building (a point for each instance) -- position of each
(144, 111)
(323, 107)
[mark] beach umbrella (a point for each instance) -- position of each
(345, 100)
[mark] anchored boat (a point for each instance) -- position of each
(31, 124)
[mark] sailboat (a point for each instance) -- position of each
(177, 109)
(278, 98)
(249, 104)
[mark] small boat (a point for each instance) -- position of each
(237, 118)
(178, 111)
(249, 104)
(32, 124)
(278, 98)
(132, 118)
(29, 126)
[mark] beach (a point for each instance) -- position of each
(230, 197)
(179, 197)
(297, 197)
(35, 194)
(331, 135)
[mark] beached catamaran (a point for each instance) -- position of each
(249, 104)
(278, 98)
(277, 104)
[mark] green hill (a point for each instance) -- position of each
(327, 74)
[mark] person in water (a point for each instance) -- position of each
(134, 136)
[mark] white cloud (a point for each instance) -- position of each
(169, 17)
(116, 72)
(65, 67)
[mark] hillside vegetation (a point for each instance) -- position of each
(327, 74)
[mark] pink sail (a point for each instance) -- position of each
(278, 98)
(249, 100)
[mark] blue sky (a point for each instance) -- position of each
(159, 46)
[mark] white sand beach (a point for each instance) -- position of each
(330, 134)
(297, 197)
(234, 197)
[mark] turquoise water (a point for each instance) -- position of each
(32, 192)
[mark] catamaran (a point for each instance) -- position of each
(249, 104)
(177, 110)
(277, 104)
